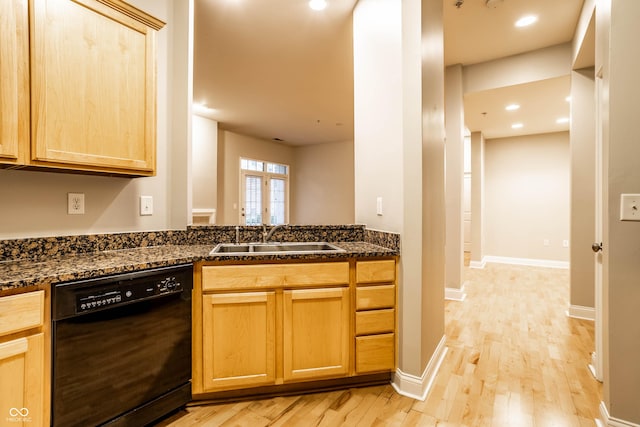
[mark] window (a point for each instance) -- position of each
(264, 192)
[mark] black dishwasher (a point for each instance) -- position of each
(121, 351)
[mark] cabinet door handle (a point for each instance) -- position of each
(596, 247)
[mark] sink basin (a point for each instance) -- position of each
(294, 247)
(231, 248)
(274, 248)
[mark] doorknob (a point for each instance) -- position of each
(596, 247)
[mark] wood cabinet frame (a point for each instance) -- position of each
(78, 87)
(310, 315)
(334, 283)
(25, 358)
(376, 345)
(239, 320)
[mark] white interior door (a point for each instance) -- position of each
(596, 357)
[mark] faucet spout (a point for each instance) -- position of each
(266, 237)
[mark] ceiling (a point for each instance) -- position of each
(278, 70)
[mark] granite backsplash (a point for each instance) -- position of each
(45, 247)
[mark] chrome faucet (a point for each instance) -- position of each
(267, 236)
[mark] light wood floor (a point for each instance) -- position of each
(514, 359)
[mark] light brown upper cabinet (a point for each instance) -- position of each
(93, 86)
(14, 81)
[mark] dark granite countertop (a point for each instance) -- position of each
(27, 273)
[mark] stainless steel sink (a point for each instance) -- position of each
(231, 248)
(274, 248)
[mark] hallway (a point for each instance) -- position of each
(514, 359)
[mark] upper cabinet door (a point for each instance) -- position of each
(14, 81)
(93, 87)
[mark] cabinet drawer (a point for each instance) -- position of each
(375, 321)
(376, 271)
(375, 353)
(274, 275)
(20, 312)
(370, 297)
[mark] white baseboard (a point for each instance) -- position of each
(526, 261)
(609, 421)
(478, 264)
(592, 367)
(582, 312)
(455, 294)
(418, 387)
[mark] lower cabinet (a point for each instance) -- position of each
(316, 333)
(258, 325)
(22, 373)
(22, 360)
(375, 353)
(375, 316)
(239, 339)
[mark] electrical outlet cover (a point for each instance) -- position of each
(75, 203)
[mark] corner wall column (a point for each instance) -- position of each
(477, 200)
(454, 146)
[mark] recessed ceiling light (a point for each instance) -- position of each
(517, 126)
(562, 120)
(526, 21)
(512, 107)
(568, 99)
(317, 4)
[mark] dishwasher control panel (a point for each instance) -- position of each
(102, 293)
(124, 293)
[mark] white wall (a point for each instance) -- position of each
(550, 62)
(204, 171)
(617, 34)
(379, 153)
(527, 196)
(175, 115)
(378, 113)
(34, 204)
(583, 188)
(399, 156)
(583, 160)
(324, 184)
(478, 234)
(433, 178)
(454, 179)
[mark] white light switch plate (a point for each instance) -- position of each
(630, 207)
(146, 205)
